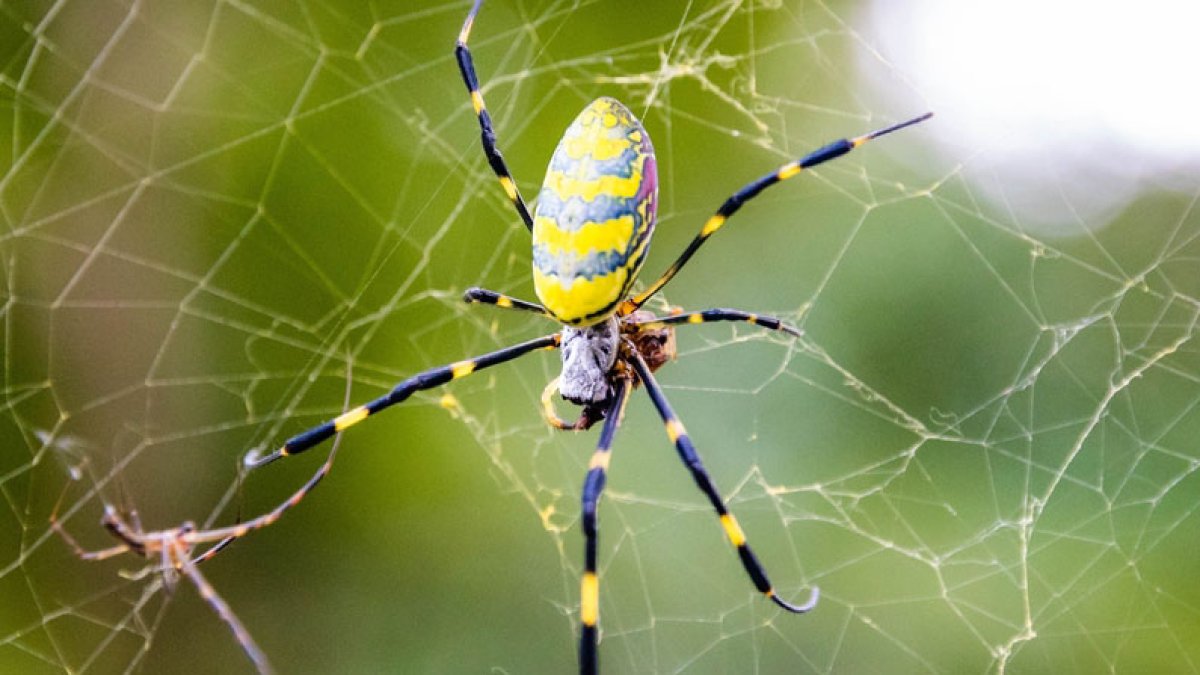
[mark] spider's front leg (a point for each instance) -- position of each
(589, 355)
(466, 67)
(718, 314)
(434, 377)
(753, 189)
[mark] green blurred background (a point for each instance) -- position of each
(218, 216)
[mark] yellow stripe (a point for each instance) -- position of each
(462, 369)
(349, 419)
(712, 225)
(571, 303)
(503, 301)
(510, 189)
(600, 460)
(589, 599)
(733, 530)
(477, 101)
(696, 318)
(788, 171)
(675, 430)
(595, 145)
(607, 235)
(566, 186)
(548, 412)
(753, 318)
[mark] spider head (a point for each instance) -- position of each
(588, 354)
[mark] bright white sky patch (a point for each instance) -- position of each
(1072, 106)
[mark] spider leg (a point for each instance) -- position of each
(427, 380)
(821, 155)
(550, 414)
(687, 453)
(224, 536)
(222, 608)
(485, 297)
(79, 551)
(82, 553)
(227, 535)
(216, 548)
(591, 413)
(241, 528)
(132, 537)
(593, 488)
(466, 66)
(712, 315)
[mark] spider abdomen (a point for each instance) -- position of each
(595, 214)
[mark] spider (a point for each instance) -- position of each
(174, 548)
(590, 233)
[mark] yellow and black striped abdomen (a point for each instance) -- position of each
(595, 214)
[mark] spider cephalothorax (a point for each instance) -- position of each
(588, 355)
(596, 358)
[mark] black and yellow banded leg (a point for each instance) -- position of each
(790, 170)
(427, 380)
(483, 296)
(713, 315)
(466, 66)
(593, 488)
(733, 531)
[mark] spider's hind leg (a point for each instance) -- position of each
(593, 489)
(687, 454)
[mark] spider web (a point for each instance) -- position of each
(216, 216)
